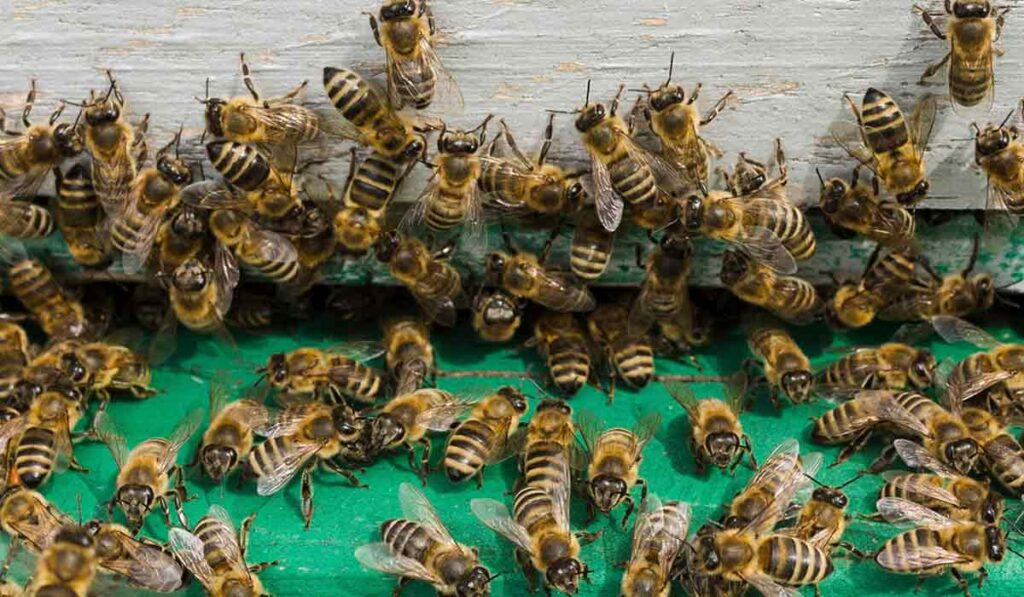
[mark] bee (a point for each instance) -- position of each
(497, 315)
(28, 518)
(1001, 454)
(270, 191)
(486, 436)
(890, 145)
(854, 421)
(32, 283)
(15, 354)
(145, 473)
(938, 543)
(857, 207)
(100, 368)
(776, 484)
(153, 191)
(406, 419)
(144, 563)
(999, 153)
(978, 374)
(371, 117)
(24, 219)
(540, 531)
(629, 356)
(562, 345)
(371, 186)
(215, 555)
(264, 251)
(228, 441)
(972, 28)
(823, 519)
(750, 180)
(689, 328)
(27, 157)
(590, 250)
(181, 236)
(674, 119)
(786, 367)
(409, 354)
(942, 489)
(949, 438)
(433, 282)
(788, 297)
(200, 295)
(80, 217)
(886, 275)
(67, 566)
(613, 459)
(112, 142)
(717, 435)
(36, 441)
(663, 293)
(420, 547)
(891, 366)
(303, 437)
(659, 535)
(523, 275)
(335, 373)
(522, 186)
(546, 452)
(959, 294)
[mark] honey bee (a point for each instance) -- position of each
(785, 366)
(144, 563)
(215, 555)
(942, 489)
(28, 518)
(145, 473)
(590, 250)
(153, 191)
(24, 219)
(112, 142)
(433, 282)
(658, 539)
(80, 217)
(562, 345)
(67, 566)
(663, 293)
(978, 374)
(54, 309)
(263, 186)
(857, 207)
(228, 441)
(36, 441)
(854, 421)
(264, 251)
(629, 357)
(891, 146)
(750, 178)
(1001, 454)
(409, 354)
(891, 366)
(370, 187)
(523, 275)
(823, 519)
(314, 245)
(15, 354)
(485, 436)
(303, 437)
(998, 152)
(546, 452)
(717, 435)
(972, 28)
(181, 236)
(522, 186)
(771, 563)
(788, 297)
(938, 543)
(886, 275)
(959, 294)
(613, 459)
(200, 295)
(767, 496)
(496, 315)
(674, 119)
(27, 157)
(419, 547)
(335, 373)
(100, 368)
(949, 438)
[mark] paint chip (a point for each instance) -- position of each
(652, 22)
(571, 67)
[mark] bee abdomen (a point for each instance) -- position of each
(126, 234)
(569, 365)
(350, 94)
(587, 260)
(885, 128)
(1008, 463)
(33, 459)
(13, 164)
(417, 89)
(898, 553)
(794, 562)
(533, 508)
(632, 180)
(968, 84)
(264, 457)
(635, 363)
(240, 164)
(445, 212)
(209, 531)
(25, 220)
(544, 464)
(406, 538)
(374, 182)
(467, 449)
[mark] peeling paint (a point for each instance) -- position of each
(570, 67)
(652, 22)
(506, 91)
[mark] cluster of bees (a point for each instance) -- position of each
(267, 216)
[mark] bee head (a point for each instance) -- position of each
(73, 368)
(458, 142)
(346, 424)
(187, 223)
(971, 9)
(557, 405)
(590, 116)
(995, 542)
(922, 369)
(666, 96)
(797, 385)
(476, 583)
(734, 267)
(414, 149)
(218, 461)
(831, 496)
(915, 195)
(992, 140)
(992, 508)
(608, 491)
(388, 245)
(174, 169)
(135, 501)
(497, 308)
(564, 575)
(104, 112)
(693, 212)
(495, 266)
(213, 114)
(68, 139)
(357, 230)
(721, 447)
(277, 369)
(516, 398)
(190, 276)
(386, 431)
(962, 454)
(985, 290)
(399, 9)
(575, 194)
(833, 191)
(75, 535)
(707, 550)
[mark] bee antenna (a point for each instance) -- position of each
(1014, 552)
(78, 499)
(560, 112)
(822, 179)
(263, 375)
(671, 63)
(1007, 119)
(166, 148)
(851, 480)
(177, 139)
(816, 482)
(491, 577)
(586, 102)
(974, 126)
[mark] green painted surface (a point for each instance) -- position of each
(319, 561)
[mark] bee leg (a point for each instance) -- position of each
(919, 584)
(334, 467)
(719, 106)
(288, 97)
(529, 572)
(140, 146)
(855, 446)
(257, 568)
(928, 20)
(545, 145)
(545, 251)
(165, 508)
(247, 79)
(307, 494)
(697, 458)
(854, 109)
(375, 28)
(630, 506)
(614, 107)
(695, 94)
(752, 460)
(932, 69)
(513, 146)
(425, 10)
(587, 537)
(852, 549)
(29, 102)
(960, 580)
(982, 576)
(885, 458)
(425, 460)
(402, 581)
(74, 465)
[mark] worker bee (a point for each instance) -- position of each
(613, 459)
(266, 188)
(523, 275)
(200, 295)
(99, 368)
(857, 207)
(28, 518)
(24, 219)
(144, 563)
(777, 483)
(15, 354)
(215, 555)
(433, 282)
(181, 236)
(590, 250)
(27, 157)
(36, 441)
(145, 473)
(334, 373)
(370, 187)
(629, 357)
(658, 539)
(994, 377)
(750, 178)
(303, 437)
(153, 192)
(823, 519)
(409, 354)
(938, 543)
(80, 217)
(67, 566)
(419, 547)
(485, 436)
(886, 275)
(785, 366)
(891, 366)
(999, 153)
(112, 143)
(32, 283)
(854, 421)
(891, 146)
(663, 293)
(228, 440)
(788, 297)
(547, 447)
(716, 433)
(1001, 454)
(972, 28)
(521, 186)
(562, 345)
(496, 315)
(263, 251)
(948, 438)
(771, 563)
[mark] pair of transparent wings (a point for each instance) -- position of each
(916, 456)
(109, 434)
(850, 135)
(590, 431)
(144, 564)
(901, 511)
(190, 550)
(788, 475)
(663, 526)
(405, 73)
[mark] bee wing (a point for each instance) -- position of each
(935, 492)
(953, 330)
(108, 433)
(288, 421)
(919, 558)
(607, 202)
(189, 550)
(773, 190)
(1007, 454)
(916, 456)
(909, 306)
(588, 427)
(640, 317)
(556, 292)
(412, 221)
(18, 216)
(958, 393)
(10, 430)
(179, 435)
(252, 414)
(39, 530)
(899, 510)
(378, 556)
(735, 390)
(439, 309)
(225, 276)
(165, 340)
(289, 464)
(273, 247)
(134, 261)
(214, 194)
(474, 226)
(767, 586)
(880, 405)
(444, 416)
(495, 516)
(358, 350)
(765, 247)
(416, 506)
(683, 394)
(220, 392)
(666, 176)
(447, 95)
(848, 135)
(145, 565)
(20, 186)
(224, 535)
(922, 122)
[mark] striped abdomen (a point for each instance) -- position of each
(634, 360)
(241, 165)
(128, 232)
(851, 371)
(409, 539)
(673, 519)
(354, 379)
(441, 280)
(890, 270)
(77, 203)
(534, 510)
(970, 66)
(786, 220)
(900, 223)
(374, 183)
(631, 179)
(301, 126)
(15, 159)
(270, 455)
(504, 179)
(447, 210)
(210, 530)
(34, 456)
(917, 488)
(922, 407)
(351, 95)
(882, 122)
(416, 85)
(793, 562)
(468, 449)
(590, 251)
(1005, 460)
(257, 258)
(897, 554)
(614, 453)
(569, 364)
(37, 289)
(546, 464)
(793, 298)
(22, 219)
(838, 425)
